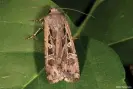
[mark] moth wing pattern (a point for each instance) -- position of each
(53, 73)
(61, 62)
(71, 69)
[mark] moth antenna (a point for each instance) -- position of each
(74, 10)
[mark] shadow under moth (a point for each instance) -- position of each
(61, 62)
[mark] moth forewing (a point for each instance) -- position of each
(73, 65)
(46, 31)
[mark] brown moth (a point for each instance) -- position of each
(61, 62)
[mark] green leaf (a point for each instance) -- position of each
(125, 51)
(22, 61)
(111, 22)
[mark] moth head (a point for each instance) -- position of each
(54, 10)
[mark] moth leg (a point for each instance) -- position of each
(41, 19)
(34, 35)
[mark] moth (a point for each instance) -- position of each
(61, 61)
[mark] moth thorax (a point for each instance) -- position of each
(54, 10)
